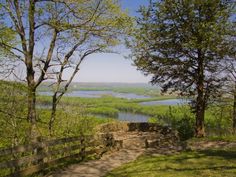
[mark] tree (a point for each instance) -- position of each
(228, 67)
(229, 90)
(54, 35)
(180, 44)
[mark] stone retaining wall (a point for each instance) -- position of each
(137, 135)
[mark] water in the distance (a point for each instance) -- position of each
(166, 102)
(127, 116)
(130, 117)
(98, 94)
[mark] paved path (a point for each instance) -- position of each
(98, 168)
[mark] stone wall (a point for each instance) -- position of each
(137, 135)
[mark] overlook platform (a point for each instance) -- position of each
(130, 140)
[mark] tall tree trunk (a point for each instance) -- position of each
(200, 113)
(31, 98)
(32, 113)
(29, 54)
(31, 105)
(234, 110)
(53, 113)
(200, 105)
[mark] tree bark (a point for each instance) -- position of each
(200, 105)
(32, 113)
(53, 113)
(200, 114)
(31, 105)
(31, 74)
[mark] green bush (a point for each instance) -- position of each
(185, 127)
(13, 113)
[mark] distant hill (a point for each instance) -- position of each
(138, 88)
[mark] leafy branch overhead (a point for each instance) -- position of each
(70, 26)
(52, 36)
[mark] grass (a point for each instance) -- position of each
(228, 138)
(78, 115)
(69, 123)
(114, 104)
(210, 163)
(110, 106)
(75, 115)
(104, 111)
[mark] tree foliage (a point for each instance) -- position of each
(180, 44)
(52, 36)
(12, 113)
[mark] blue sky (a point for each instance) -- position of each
(112, 67)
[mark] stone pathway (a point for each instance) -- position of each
(98, 168)
(134, 144)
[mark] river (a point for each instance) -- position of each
(127, 116)
(170, 102)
